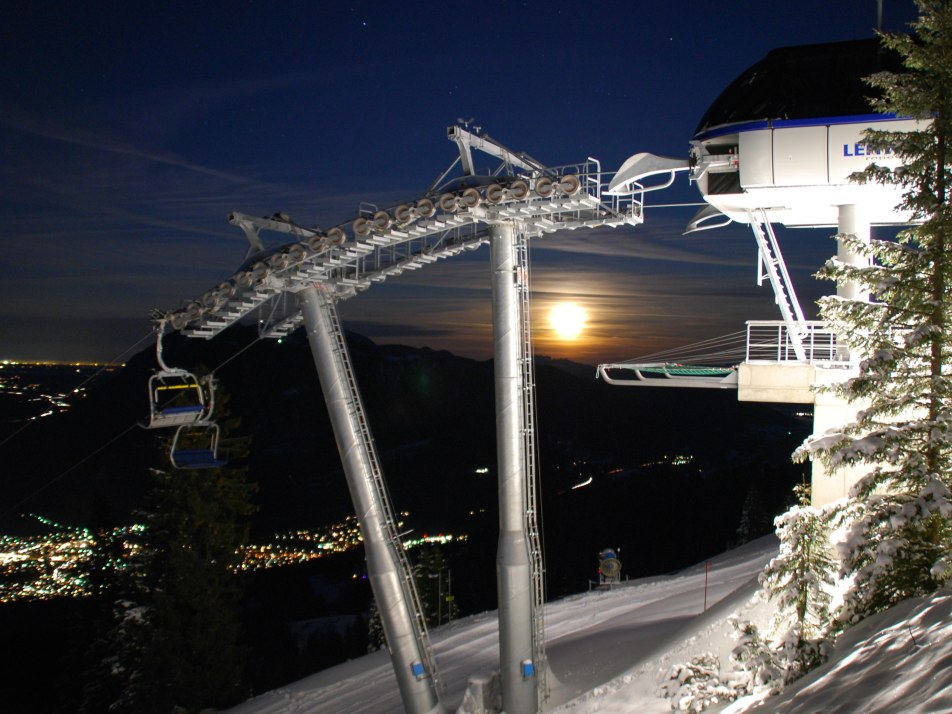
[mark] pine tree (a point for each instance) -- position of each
(106, 660)
(175, 641)
(193, 657)
(113, 682)
(899, 533)
(800, 580)
(697, 685)
(376, 637)
(757, 665)
(433, 585)
(754, 520)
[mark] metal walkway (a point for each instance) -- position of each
(667, 374)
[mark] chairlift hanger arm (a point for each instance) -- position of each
(159, 332)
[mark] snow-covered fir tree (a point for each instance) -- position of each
(800, 581)
(696, 685)
(758, 666)
(898, 532)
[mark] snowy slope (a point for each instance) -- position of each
(897, 661)
(593, 639)
(609, 651)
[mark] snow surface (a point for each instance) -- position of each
(609, 651)
(592, 639)
(897, 661)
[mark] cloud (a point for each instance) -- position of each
(25, 122)
(136, 228)
(654, 243)
(378, 329)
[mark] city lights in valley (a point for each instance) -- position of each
(60, 562)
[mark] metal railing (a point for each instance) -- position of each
(770, 341)
(354, 256)
(389, 525)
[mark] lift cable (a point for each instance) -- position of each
(222, 364)
(68, 470)
(727, 348)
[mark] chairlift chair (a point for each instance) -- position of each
(195, 446)
(176, 398)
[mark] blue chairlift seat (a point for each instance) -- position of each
(196, 459)
(195, 446)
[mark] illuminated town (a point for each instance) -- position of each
(59, 563)
(41, 389)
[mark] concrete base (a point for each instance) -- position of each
(482, 695)
(782, 383)
(797, 384)
(831, 413)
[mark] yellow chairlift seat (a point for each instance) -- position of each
(177, 397)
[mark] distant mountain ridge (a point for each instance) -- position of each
(606, 453)
(666, 477)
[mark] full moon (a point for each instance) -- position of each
(568, 320)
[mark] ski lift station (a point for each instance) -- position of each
(778, 146)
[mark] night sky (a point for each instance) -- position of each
(129, 131)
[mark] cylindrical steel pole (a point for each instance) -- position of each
(383, 564)
(518, 680)
(851, 221)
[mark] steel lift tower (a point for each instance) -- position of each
(301, 281)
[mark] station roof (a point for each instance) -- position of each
(803, 82)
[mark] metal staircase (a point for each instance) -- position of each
(533, 532)
(772, 261)
(357, 414)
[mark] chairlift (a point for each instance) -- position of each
(176, 396)
(195, 446)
